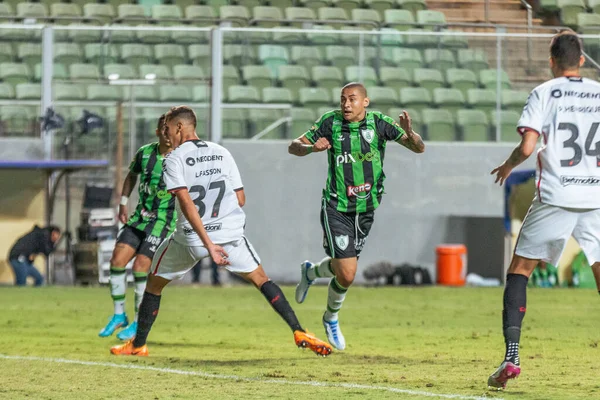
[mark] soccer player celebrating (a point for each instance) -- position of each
(355, 140)
(564, 111)
(152, 220)
(205, 180)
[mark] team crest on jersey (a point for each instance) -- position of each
(368, 134)
(342, 241)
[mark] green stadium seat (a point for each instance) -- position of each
(369, 18)
(175, 93)
(15, 73)
(234, 123)
(413, 39)
(336, 96)
(238, 55)
(314, 97)
(68, 91)
(186, 72)
(201, 94)
(473, 59)
(594, 5)
(6, 91)
(489, 77)
(461, 79)
(151, 35)
(569, 9)
(588, 24)
(482, 99)
(59, 72)
(167, 14)
(415, 97)
(268, 13)
(353, 39)
(340, 56)
(123, 71)
(448, 99)
(237, 15)
(390, 37)
(548, 6)
(17, 34)
(199, 54)
(454, 42)
(323, 38)
(201, 15)
(407, 58)
(16, 120)
(230, 77)
(364, 75)
(272, 57)
(101, 53)
(85, 35)
(381, 98)
(243, 94)
(300, 14)
(395, 77)
(141, 93)
(103, 92)
(412, 5)
(438, 125)
(67, 53)
(282, 36)
(473, 125)
(260, 119)
(294, 77)
(315, 5)
(121, 36)
(99, 13)
(401, 20)
(84, 72)
(250, 4)
(508, 125)
(29, 53)
(136, 54)
(514, 100)
(190, 37)
(431, 20)
(32, 10)
(332, 14)
(65, 10)
(415, 117)
(307, 56)
(302, 120)
(258, 76)
(277, 95)
(6, 10)
(381, 6)
(131, 14)
(327, 77)
(28, 91)
(347, 5)
(6, 52)
(169, 54)
(442, 59)
(428, 78)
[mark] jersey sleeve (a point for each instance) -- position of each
(135, 166)
(387, 128)
(322, 128)
(532, 116)
(234, 175)
(173, 174)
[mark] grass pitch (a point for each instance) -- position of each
(427, 342)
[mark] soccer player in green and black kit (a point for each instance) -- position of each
(153, 219)
(355, 140)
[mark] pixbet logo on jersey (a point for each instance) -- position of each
(354, 157)
(360, 191)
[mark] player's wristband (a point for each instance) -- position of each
(310, 149)
(124, 200)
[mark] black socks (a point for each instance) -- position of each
(147, 315)
(515, 301)
(275, 296)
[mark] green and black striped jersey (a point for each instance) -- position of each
(155, 212)
(355, 177)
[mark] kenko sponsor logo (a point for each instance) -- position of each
(191, 161)
(356, 157)
(557, 93)
(360, 191)
(580, 180)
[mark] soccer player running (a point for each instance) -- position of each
(205, 180)
(355, 140)
(565, 111)
(152, 220)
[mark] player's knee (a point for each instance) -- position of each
(155, 285)
(141, 264)
(345, 279)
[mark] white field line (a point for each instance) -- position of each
(245, 379)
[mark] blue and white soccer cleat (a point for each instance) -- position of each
(117, 321)
(334, 334)
(128, 333)
(503, 374)
(304, 285)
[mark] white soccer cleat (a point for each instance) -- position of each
(334, 334)
(503, 374)
(304, 285)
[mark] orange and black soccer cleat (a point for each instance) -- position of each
(127, 349)
(310, 341)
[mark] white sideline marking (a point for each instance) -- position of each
(245, 379)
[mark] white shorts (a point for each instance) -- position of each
(546, 229)
(173, 259)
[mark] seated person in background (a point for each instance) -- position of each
(21, 256)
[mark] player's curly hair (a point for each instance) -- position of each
(566, 50)
(181, 113)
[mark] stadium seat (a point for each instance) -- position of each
(340, 56)
(122, 71)
(368, 18)
(461, 79)
(277, 95)
(59, 72)
(412, 5)
(415, 116)
(16, 120)
(307, 56)
(428, 78)
(260, 119)
(258, 76)
(508, 125)
(199, 54)
(151, 35)
(28, 91)
(294, 77)
(167, 14)
(431, 20)
(401, 20)
(323, 38)
(473, 125)
(315, 5)
(169, 54)
(83, 35)
(569, 9)
(15, 73)
(302, 120)
(489, 77)
(131, 14)
(101, 53)
(65, 10)
(243, 94)
(514, 100)
(161, 72)
(104, 92)
(300, 14)
(200, 15)
(281, 35)
(67, 53)
(188, 73)
(270, 16)
(408, 58)
(6, 52)
(230, 77)
(347, 5)
(594, 5)
(314, 97)
(482, 99)
(329, 14)
(18, 34)
(121, 36)
(588, 24)
(416, 98)
(238, 55)
(234, 123)
(548, 6)
(84, 72)
(418, 41)
(327, 77)
(6, 91)
(273, 57)
(441, 59)
(99, 13)
(237, 15)
(380, 6)
(364, 75)
(190, 37)
(32, 10)
(448, 99)
(29, 53)
(438, 125)
(473, 59)
(68, 91)
(136, 54)
(6, 10)
(390, 37)
(175, 93)
(395, 77)
(382, 98)
(201, 93)
(141, 93)
(454, 42)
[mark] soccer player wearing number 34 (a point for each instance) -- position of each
(209, 195)
(565, 111)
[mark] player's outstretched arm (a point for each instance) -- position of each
(301, 147)
(411, 140)
(188, 208)
(241, 197)
(519, 154)
(128, 185)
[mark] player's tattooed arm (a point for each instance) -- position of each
(301, 147)
(411, 140)
(518, 155)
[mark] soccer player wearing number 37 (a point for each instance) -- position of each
(209, 195)
(565, 111)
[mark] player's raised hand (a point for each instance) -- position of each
(321, 144)
(405, 122)
(218, 254)
(502, 172)
(123, 213)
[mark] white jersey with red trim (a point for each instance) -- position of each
(566, 112)
(210, 174)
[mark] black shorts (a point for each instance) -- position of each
(344, 234)
(140, 241)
